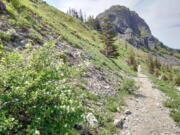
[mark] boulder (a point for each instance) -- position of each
(91, 120)
(178, 88)
(127, 112)
(119, 122)
(78, 127)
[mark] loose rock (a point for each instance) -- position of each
(91, 119)
(119, 122)
(78, 127)
(127, 112)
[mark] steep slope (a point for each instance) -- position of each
(135, 30)
(96, 79)
(35, 22)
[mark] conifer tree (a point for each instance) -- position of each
(132, 59)
(157, 64)
(150, 64)
(108, 38)
(93, 22)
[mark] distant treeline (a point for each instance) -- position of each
(89, 20)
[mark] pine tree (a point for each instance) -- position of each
(150, 64)
(126, 45)
(81, 15)
(108, 38)
(74, 13)
(93, 22)
(157, 64)
(132, 59)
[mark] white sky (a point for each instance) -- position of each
(163, 16)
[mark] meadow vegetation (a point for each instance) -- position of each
(35, 94)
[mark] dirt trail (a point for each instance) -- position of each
(148, 115)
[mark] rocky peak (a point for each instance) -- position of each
(124, 19)
(131, 27)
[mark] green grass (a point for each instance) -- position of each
(143, 32)
(91, 96)
(4, 35)
(116, 101)
(36, 36)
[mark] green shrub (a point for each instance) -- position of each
(165, 77)
(34, 95)
(156, 72)
(5, 36)
(177, 79)
(16, 4)
(92, 96)
(129, 85)
(1, 51)
(112, 104)
(36, 36)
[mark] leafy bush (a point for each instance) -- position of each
(5, 36)
(36, 36)
(177, 79)
(129, 85)
(156, 72)
(16, 4)
(34, 95)
(113, 103)
(165, 77)
(1, 51)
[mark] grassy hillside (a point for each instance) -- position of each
(41, 20)
(46, 57)
(53, 72)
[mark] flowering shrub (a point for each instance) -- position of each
(35, 97)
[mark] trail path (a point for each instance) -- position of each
(148, 115)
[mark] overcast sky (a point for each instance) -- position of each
(163, 16)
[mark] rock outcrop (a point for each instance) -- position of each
(131, 27)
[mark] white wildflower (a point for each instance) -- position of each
(13, 119)
(37, 132)
(72, 109)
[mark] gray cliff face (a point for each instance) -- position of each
(131, 27)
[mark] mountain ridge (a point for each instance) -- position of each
(132, 27)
